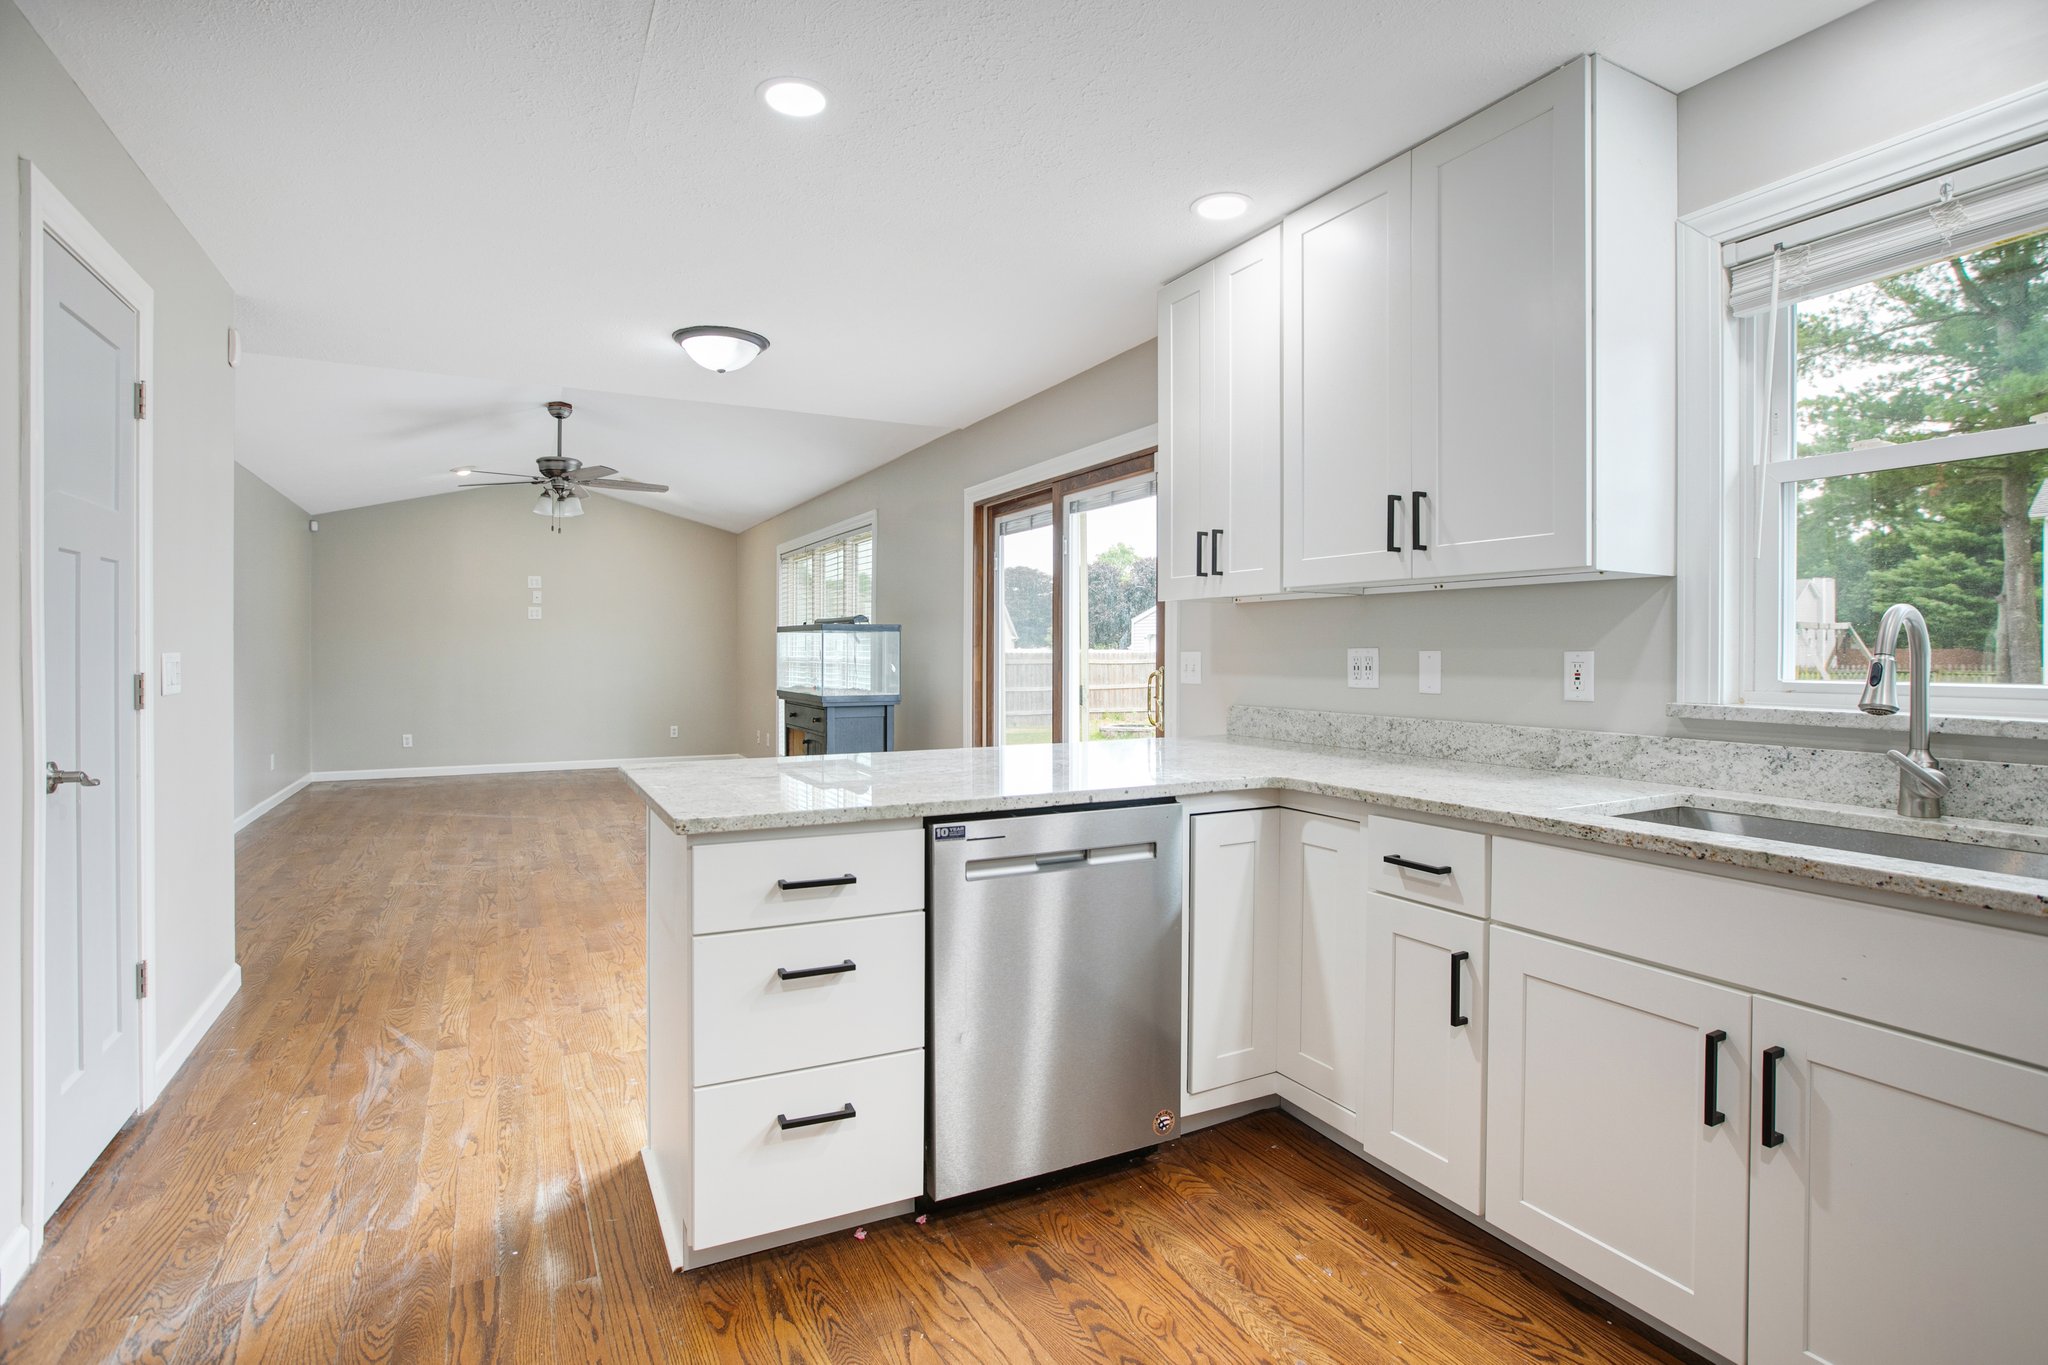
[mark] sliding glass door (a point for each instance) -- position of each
(1068, 643)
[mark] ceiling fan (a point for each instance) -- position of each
(562, 480)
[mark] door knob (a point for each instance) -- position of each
(59, 776)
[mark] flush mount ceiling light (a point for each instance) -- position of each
(463, 472)
(720, 349)
(1226, 204)
(793, 97)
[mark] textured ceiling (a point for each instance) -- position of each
(535, 193)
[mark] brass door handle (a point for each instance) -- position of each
(1155, 698)
(57, 777)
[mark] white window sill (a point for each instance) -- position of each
(1986, 727)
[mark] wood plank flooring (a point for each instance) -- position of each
(415, 1135)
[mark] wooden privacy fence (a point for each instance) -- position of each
(1116, 689)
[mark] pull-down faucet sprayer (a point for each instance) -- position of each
(1921, 781)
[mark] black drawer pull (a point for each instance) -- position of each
(785, 1122)
(799, 973)
(1398, 861)
(1770, 1136)
(1201, 544)
(1713, 1117)
(1393, 514)
(848, 879)
(1458, 1019)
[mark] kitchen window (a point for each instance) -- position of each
(830, 573)
(1892, 413)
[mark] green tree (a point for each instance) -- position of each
(1120, 586)
(1027, 593)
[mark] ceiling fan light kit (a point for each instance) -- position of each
(720, 349)
(561, 480)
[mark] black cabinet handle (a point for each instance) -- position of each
(1201, 543)
(799, 973)
(1393, 518)
(1398, 861)
(1415, 522)
(1770, 1136)
(1458, 1019)
(846, 879)
(1714, 1118)
(1216, 552)
(785, 1122)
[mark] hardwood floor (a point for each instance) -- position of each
(415, 1136)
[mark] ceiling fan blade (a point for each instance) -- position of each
(506, 474)
(589, 472)
(632, 485)
(502, 483)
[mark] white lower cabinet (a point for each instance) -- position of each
(1903, 1216)
(1321, 955)
(1617, 1134)
(1425, 1046)
(1233, 894)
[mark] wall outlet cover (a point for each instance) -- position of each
(405, 741)
(1362, 668)
(533, 613)
(1578, 675)
(533, 580)
(1430, 671)
(675, 732)
(172, 675)
(1191, 666)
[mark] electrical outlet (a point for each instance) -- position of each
(675, 732)
(1191, 666)
(533, 613)
(533, 580)
(273, 763)
(172, 674)
(405, 741)
(1578, 675)
(1429, 671)
(1362, 668)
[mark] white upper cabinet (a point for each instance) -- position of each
(1219, 426)
(1345, 344)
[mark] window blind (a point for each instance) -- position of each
(1950, 217)
(830, 577)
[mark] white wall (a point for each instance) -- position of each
(273, 642)
(45, 119)
(420, 627)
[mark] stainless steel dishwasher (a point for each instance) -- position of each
(1055, 991)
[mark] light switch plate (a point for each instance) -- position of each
(536, 597)
(172, 675)
(1191, 666)
(533, 613)
(1578, 675)
(1430, 671)
(1362, 668)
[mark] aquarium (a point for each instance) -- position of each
(833, 660)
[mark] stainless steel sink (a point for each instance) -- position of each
(1882, 843)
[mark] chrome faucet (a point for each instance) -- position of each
(1922, 784)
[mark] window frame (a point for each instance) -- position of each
(1733, 598)
(838, 530)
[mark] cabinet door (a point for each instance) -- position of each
(1241, 457)
(1233, 897)
(1183, 409)
(1602, 1150)
(1904, 1216)
(1322, 955)
(1425, 1045)
(1345, 340)
(1502, 322)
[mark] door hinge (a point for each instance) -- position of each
(141, 398)
(142, 981)
(141, 690)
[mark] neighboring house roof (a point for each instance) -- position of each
(2040, 507)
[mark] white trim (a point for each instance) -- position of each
(270, 803)
(44, 209)
(1073, 462)
(16, 1255)
(180, 1049)
(672, 1239)
(557, 765)
(1715, 591)
(832, 532)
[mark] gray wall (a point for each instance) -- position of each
(420, 628)
(919, 535)
(45, 119)
(273, 641)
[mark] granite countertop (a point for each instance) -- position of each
(711, 796)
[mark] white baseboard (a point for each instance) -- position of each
(17, 1253)
(558, 765)
(170, 1058)
(270, 803)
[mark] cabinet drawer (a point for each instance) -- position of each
(756, 883)
(750, 1021)
(753, 1176)
(1460, 853)
(807, 718)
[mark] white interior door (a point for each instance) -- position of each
(91, 1031)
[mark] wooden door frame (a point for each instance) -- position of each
(1054, 489)
(44, 209)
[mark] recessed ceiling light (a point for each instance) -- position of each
(1217, 207)
(720, 349)
(794, 97)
